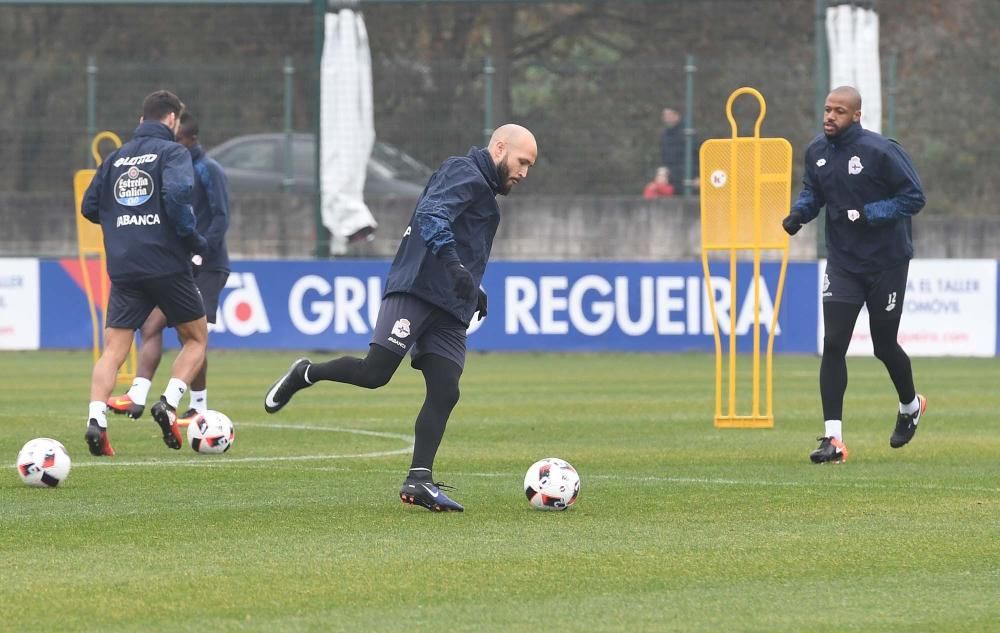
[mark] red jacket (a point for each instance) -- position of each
(658, 190)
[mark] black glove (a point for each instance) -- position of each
(195, 243)
(464, 284)
(792, 223)
(481, 304)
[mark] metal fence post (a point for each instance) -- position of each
(822, 67)
(890, 126)
(489, 70)
(689, 70)
(91, 106)
(822, 72)
(319, 32)
(289, 72)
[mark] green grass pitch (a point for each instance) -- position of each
(679, 526)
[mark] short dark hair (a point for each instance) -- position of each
(189, 126)
(159, 104)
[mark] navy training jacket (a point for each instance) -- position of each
(455, 219)
(141, 197)
(210, 200)
(870, 190)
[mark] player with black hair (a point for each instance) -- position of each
(870, 190)
(210, 201)
(140, 195)
(430, 298)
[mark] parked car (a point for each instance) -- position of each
(255, 163)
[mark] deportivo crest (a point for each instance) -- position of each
(401, 328)
(821, 162)
(853, 215)
(854, 166)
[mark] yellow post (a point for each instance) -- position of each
(90, 245)
(746, 194)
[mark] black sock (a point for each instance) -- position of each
(838, 323)
(371, 372)
(887, 350)
(420, 474)
(441, 377)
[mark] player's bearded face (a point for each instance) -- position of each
(503, 175)
(838, 114)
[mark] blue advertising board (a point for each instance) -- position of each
(552, 306)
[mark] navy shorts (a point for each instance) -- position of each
(130, 302)
(882, 291)
(408, 324)
(211, 283)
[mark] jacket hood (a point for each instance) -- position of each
(154, 129)
(486, 165)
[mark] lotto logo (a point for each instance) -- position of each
(241, 312)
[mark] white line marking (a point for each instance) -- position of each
(798, 484)
(707, 481)
(222, 461)
(734, 482)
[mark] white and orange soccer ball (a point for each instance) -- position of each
(211, 432)
(43, 463)
(552, 484)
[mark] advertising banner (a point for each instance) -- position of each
(557, 306)
(950, 309)
(19, 303)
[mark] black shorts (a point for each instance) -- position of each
(882, 291)
(406, 323)
(211, 283)
(130, 302)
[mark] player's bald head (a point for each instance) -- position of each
(849, 95)
(513, 134)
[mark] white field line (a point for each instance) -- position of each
(209, 460)
(212, 461)
(714, 481)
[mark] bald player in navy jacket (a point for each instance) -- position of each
(430, 297)
(871, 191)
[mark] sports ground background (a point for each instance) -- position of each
(597, 348)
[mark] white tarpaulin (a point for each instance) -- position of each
(347, 128)
(852, 35)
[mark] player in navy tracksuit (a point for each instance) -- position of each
(430, 297)
(211, 209)
(141, 197)
(870, 190)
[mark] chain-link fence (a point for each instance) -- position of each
(590, 79)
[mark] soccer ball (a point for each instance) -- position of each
(43, 462)
(211, 432)
(552, 484)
